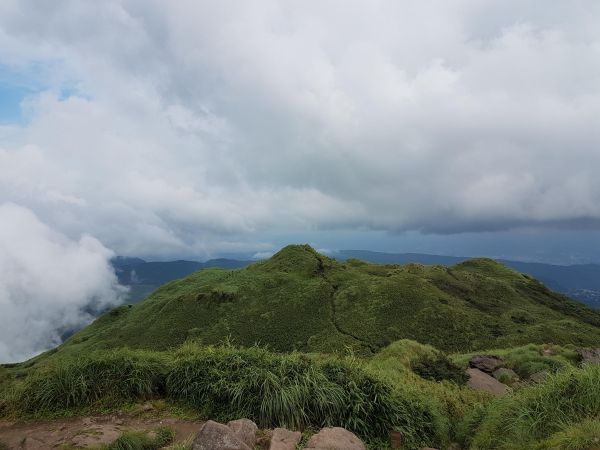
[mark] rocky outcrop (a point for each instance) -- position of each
(589, 355)
(216, 436)
(283, 439)
(335, 439)
(486, 363)
(483, 382)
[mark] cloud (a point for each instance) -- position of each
(49, 285)
(190, 125)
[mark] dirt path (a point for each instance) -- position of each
(86, 432)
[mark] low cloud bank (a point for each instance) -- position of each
(49, 284)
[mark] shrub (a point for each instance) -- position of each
(438, 367)
(534, 414)
(137, 440)
(582, 436)
(112, 377)
(295, 391)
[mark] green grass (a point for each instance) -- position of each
(565, 408)
(581, 436)
(302, 301)
(529, 359)
(137, 440)
(224, 383)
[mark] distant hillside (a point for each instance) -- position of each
(580, 281)
(299, 299)
(143, 277)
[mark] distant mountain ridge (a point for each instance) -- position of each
(580, 282)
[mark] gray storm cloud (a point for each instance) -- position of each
(49, 284)
(186, 124)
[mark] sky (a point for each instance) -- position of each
(204, 128)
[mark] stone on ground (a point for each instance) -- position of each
(481, 381)
(589, 355)
(283, 439)
(245, 429)
(216, 436)
(335, 439)
(485, 363)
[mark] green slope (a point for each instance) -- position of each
(301, 300)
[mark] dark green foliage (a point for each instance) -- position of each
(135, 440)
(438, 367)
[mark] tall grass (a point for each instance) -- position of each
(224, 383)
(534, 414)
(294, 391)
(111, 377)
(138, 440)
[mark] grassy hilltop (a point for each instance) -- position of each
(301, 300)
(338, 346)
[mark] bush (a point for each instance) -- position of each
(137, 440)
(581, 436)
(224, 383)
(536, 413)
(112, 377)
(438, 367)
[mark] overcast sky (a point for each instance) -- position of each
(199, 128)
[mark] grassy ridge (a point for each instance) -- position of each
(300, 300)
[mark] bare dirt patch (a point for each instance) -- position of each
(86, 432)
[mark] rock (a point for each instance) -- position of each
(589, 355)
(504, 374)
(481, 381)
(283, 439)
(486, 363)
(538, 377)
(216, 436)
(245, 429)
(335, 439)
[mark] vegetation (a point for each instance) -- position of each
(338, 348)
(143, 441)
(530, 359)
(300, 300)
(225, 383)
(564, 409)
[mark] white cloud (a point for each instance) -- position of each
(194, 123)
(49, 284)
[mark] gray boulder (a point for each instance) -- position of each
(589, 355)
(283, 439)
(538, 377)
(335, 439)
(216, 436)
(486, 363)
(481, 381)
(245, 429)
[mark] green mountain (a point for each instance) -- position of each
(301, 300)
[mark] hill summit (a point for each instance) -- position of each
(302, 300)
